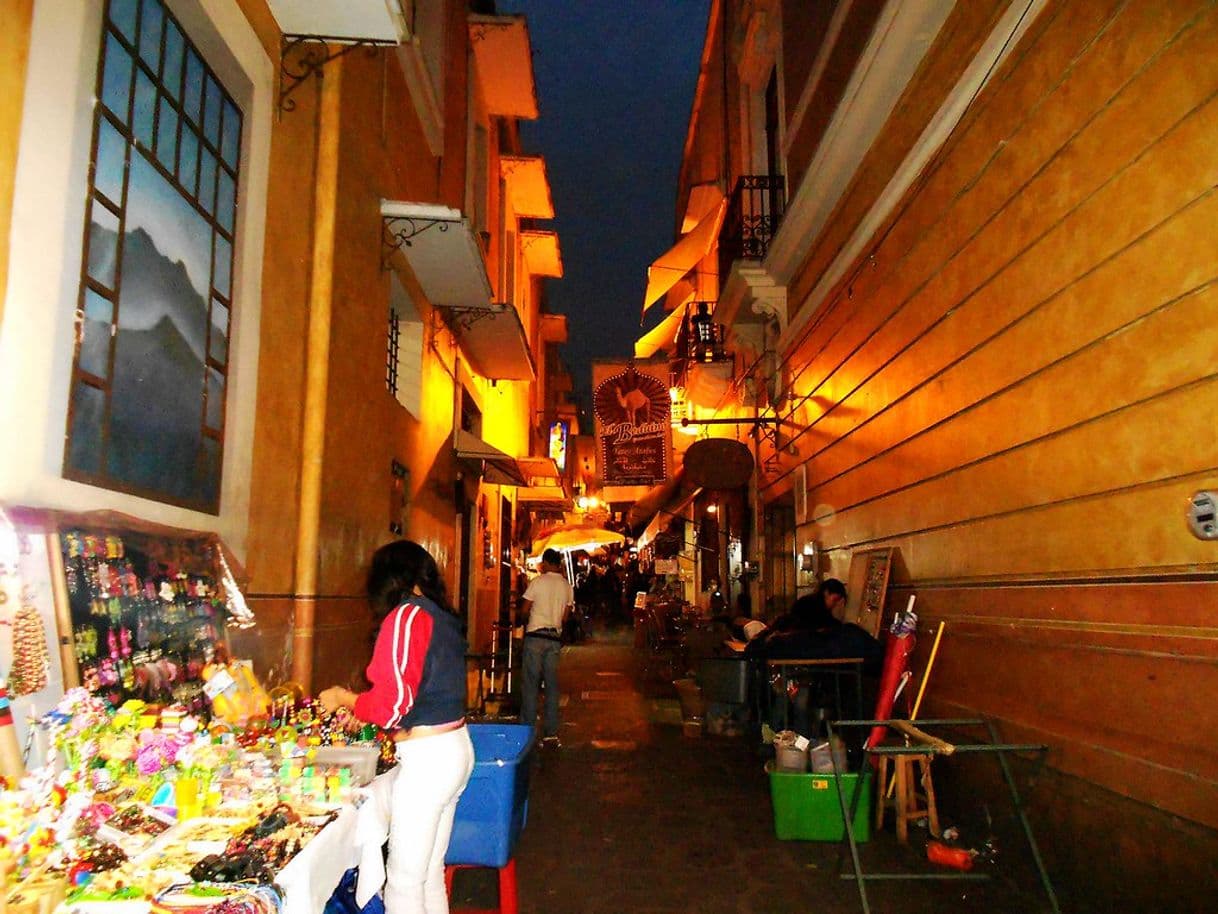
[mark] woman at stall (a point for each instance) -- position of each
(417, 677)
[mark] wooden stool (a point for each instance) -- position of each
(909, 803)
(507, 889)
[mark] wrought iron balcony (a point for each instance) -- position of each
(754, 213)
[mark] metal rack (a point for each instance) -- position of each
(927, 745)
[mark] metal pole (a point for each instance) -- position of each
(847, 818)
(1023, 818)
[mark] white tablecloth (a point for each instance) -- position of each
(313, 874)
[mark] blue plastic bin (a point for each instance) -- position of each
(495, 805)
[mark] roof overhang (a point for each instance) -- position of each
(666, 271)
(494, 465)
(541, 253)
(528, 186)
(380, 21)
(504, 57)
(495, 343)
(440, 247)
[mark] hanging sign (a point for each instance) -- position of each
(633, 423)
(558, 444)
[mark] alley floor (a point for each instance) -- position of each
(629, 816)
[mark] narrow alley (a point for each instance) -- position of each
(824, 383)
(631, 816)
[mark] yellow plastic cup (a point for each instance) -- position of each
(186, 797)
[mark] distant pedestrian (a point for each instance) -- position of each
(547, 601)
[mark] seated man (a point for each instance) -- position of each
(811, 631)
(816, 611)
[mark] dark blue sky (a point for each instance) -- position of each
(615, 83)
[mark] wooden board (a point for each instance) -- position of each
(867, 588)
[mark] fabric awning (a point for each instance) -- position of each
(528, 186)
(546, 497)
(674, 497)
(666, 271)
(495, 343)
(669, 496)
(542, 255)
(504, 57)
(662, 336)
(535, 468)
(443, 253)
(702, 199)
(494, 465)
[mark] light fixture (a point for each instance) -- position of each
(712, 508)
(807, 557)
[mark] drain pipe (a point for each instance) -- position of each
(317, 369)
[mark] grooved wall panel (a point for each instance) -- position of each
(1017, 386)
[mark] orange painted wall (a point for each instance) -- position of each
(1018, 389)
(383, 154)
(14, 53)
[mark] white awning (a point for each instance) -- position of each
(662, 336)
(494, 465)
(505, 64)
(494, 341)
(440, 247)
(351, 20)
(666, 271)
(528, 186)
(542, 255)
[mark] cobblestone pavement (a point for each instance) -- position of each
(629, 816)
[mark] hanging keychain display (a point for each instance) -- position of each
(31, 656)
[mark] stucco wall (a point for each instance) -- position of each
(1017, 390)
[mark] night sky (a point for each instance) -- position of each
(615, 83)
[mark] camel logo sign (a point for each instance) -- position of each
(633, 424)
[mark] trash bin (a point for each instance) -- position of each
(494, 807)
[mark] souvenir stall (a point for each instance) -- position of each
(143, 765)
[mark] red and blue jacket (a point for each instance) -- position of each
(417, 670)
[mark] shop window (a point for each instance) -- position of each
(404, 356)
(146, 412)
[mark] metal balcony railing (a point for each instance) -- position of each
(754, 212)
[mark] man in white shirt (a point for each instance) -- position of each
(547, 600)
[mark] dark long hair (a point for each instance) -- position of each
(397, 569)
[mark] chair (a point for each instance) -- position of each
(665, 643)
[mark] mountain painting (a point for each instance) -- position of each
(155, 442)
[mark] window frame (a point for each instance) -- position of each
(228, 160)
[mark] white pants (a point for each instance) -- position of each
(432, 773)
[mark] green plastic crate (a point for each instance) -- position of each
(806, 807)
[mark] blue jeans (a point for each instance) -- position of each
(540, 664)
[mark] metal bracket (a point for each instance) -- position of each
(315, 53)
(400, 231)
(464, 318)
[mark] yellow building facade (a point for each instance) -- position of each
(373, 314)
